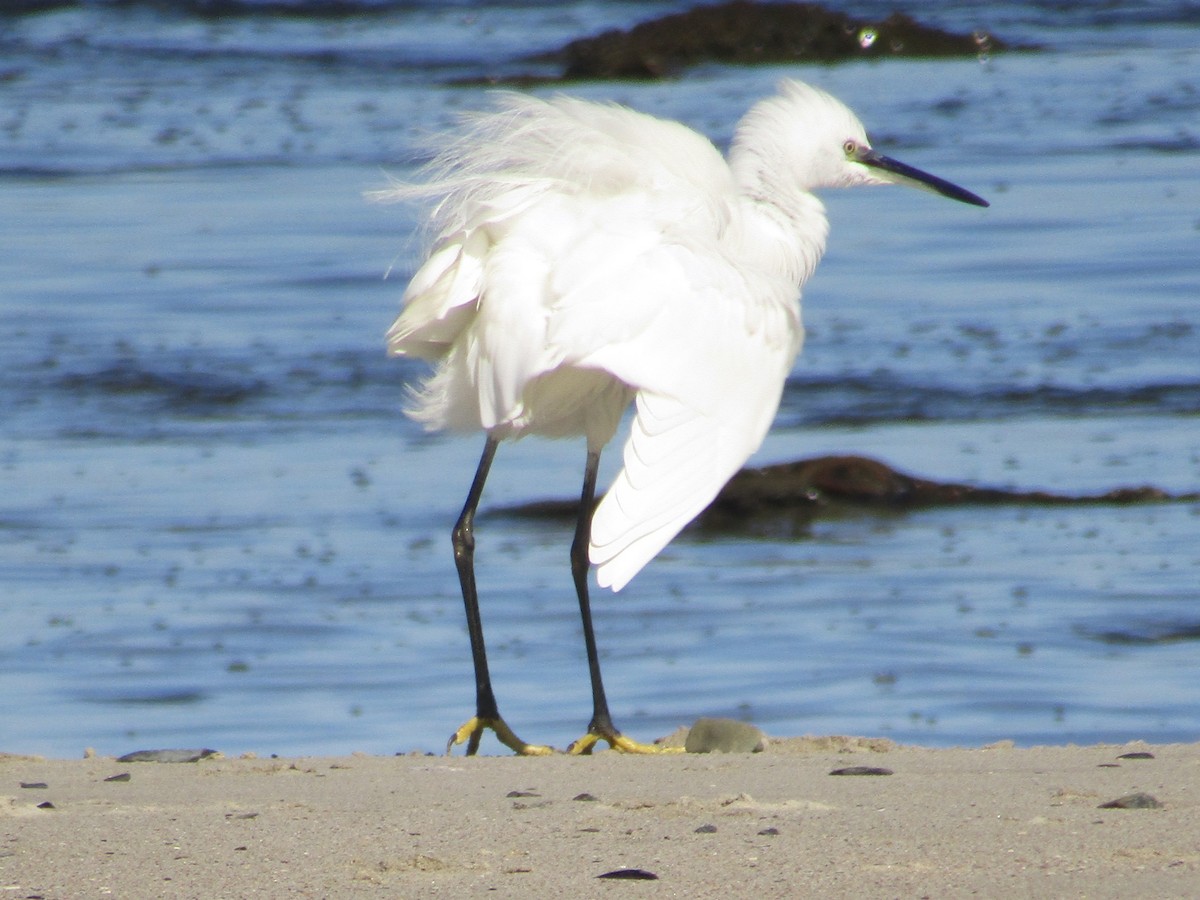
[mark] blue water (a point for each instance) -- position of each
(216, 529)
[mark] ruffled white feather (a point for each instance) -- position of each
(584, 255)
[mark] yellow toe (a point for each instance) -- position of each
(472, 730)
(617, 741)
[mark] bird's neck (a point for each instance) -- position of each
(785, 225)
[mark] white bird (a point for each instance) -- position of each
(587, 256)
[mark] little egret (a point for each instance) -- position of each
(586, 256)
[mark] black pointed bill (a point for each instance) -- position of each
(916, 177)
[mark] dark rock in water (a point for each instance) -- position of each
(746, 33)
(1146, 635)
(788, 496)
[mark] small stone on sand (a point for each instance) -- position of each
(862, 770)
(709, 735)
(167, 756)
(1133, 801)
(632, 874)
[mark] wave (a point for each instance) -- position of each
(1049, 14)
(152, 395)
(228, 9)
(187, 392)
(884, 398)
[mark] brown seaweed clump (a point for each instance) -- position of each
(787, 497)
(794, 493)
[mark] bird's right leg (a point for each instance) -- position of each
(487, 714)
(601, 728)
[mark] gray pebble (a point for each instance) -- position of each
(633, 874)
(862, 770)
(166, 756)
(1133, 801)
(724, 736)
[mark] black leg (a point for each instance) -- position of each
(601, 727)
(462, 539)
(601, 720)
(487, 714)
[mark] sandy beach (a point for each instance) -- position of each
(993, 822)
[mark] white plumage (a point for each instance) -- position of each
(586, 256)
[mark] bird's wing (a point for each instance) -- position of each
(599, 238)
(527, 154)
(440, 297)
(675, 462)
(706, 343)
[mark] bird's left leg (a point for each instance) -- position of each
(601, 728)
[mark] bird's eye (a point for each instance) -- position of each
(850, 148)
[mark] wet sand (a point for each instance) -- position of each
(994, 822)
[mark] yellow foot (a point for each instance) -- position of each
(472, 730)
(616, 740)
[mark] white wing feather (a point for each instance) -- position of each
(709, 361)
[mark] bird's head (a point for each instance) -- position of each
(812, 139)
